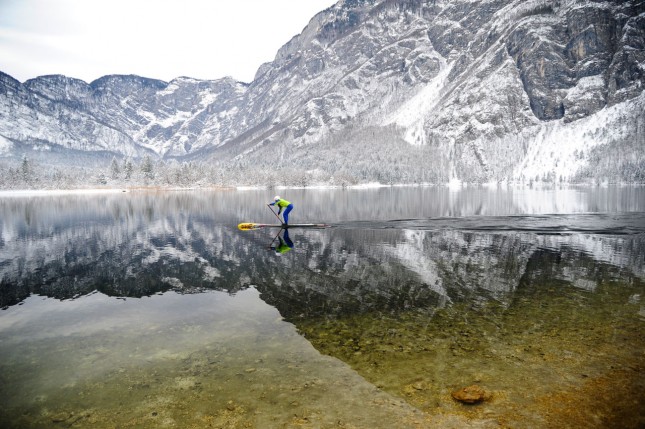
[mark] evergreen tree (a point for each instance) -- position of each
(127, 169)
(115, 170)
(147, 168)
(25, 169)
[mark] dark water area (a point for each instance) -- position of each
(151, 309)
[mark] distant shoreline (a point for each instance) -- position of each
(99, 191)
(15, 193)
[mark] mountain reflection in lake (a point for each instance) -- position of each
(153, 309)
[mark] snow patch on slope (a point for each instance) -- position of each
(5, 145)
(560, 149)
(585, 87)
(413, 113)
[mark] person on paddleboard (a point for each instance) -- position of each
(282, 204)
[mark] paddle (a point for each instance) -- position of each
(276, 236)
(269, 206)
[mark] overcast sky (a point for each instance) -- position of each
(162, 39)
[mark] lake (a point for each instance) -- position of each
(151, 309)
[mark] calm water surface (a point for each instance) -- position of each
(153, 310)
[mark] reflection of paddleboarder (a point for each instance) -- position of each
(285, 244)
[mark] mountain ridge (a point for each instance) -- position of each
(472, 89)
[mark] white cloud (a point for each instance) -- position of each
(162, 39)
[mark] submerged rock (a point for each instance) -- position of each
(471, 394)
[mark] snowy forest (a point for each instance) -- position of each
(128, 173)
(382, 161)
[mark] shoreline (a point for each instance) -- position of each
(4, 193)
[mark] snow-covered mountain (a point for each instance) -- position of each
(387, 90)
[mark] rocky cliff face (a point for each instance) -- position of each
(468, 90)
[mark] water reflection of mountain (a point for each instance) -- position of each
(132, 247)
(424, 269)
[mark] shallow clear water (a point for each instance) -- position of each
(154, 310)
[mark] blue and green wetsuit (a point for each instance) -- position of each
(286, 205)
(285, 244)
